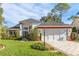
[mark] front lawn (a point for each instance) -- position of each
(18, 48)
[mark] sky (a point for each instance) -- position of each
(15, 12)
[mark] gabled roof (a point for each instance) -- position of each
(15, 27)
(53, 24)
(25, 22)
(29, 21)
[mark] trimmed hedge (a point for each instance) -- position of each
(39, 46)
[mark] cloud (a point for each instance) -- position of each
(15, 12)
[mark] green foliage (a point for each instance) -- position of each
(1, 22)
(43, 19)
(1, 11)
(33, 35)
(39, 46)
(74, 29)
(73, 17)
(56, 13)
(74, 35)
(4, 32)
(62, 7)
(1, 17)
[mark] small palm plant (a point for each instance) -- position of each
(74, 34)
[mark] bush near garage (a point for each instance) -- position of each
(74, 34)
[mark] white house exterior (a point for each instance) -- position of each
(54, 31)
(24, 27)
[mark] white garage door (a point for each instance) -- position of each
(54, 34)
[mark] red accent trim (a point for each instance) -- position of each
(53, 27)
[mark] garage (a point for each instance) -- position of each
(54, 32)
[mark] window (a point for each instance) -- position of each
(25, 28)
(12, 33)
(25, 33)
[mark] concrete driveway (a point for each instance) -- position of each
(68, 47)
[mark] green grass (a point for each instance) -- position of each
(18, 48)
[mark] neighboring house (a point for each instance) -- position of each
(54, 31)
(75, 23)
(24, 27)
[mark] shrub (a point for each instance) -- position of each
(74, 35)
(74, 29)
(33, 35)
(39, 46)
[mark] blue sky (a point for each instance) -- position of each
(15, 12)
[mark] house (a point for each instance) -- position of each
(54, 31)
(23, 27)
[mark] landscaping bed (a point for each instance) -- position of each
(42, 47)
(18, 48)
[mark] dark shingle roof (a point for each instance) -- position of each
(15, 27)
(49, 24)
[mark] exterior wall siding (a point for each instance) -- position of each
(35, 25)
(16, 31)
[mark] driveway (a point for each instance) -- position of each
(68, 47)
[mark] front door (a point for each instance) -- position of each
(24, 33)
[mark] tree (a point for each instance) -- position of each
(77, 13)
(47, 18)
(1, 21)
(54, 15)
(61, 8)
(43, 19)
(58, 11)
(33, 35)
(74, 16)
(1, 17)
